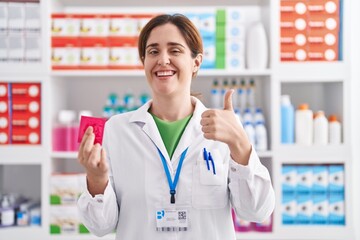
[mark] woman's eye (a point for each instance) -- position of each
(152, 52)
(176, 51)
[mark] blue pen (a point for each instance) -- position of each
(212, 163)
(206, 159)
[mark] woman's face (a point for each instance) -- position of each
(168, 64)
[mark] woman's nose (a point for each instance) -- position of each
(164, 59)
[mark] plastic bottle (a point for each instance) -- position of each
(287, 120)
(304, 125)
(242, 95)
(260, 136)
(248, 116)
(259, 116)
(7, 212)
(215, 95)
(62, 135)
(257, 47)
(251, 94)
(250, 132)
(224, 89)
(234, 86)
(334, 130)
(321, 129)
(129, 100)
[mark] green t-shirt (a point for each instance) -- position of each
(171, 132)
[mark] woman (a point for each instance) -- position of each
(172, 169)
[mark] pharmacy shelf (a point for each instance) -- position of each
(66, 155)
(294, 154)
(313, 232)
(24, 154)
(28, 233)
(313, 71)
(141, 73)
(22, 70)
(82, 237)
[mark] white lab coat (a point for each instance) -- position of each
(138, 185)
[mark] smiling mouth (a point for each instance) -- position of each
(168, 73)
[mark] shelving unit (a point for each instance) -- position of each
(61, 90)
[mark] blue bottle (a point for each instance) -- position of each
(287, 120)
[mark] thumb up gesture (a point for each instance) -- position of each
(222, 125)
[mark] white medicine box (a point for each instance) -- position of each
(32, 49)
(16, 17)
(3, 18)
(32, 18)
(16, 49)
(3, 50)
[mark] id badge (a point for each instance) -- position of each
(172, 219)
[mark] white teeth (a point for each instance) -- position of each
(165, 73)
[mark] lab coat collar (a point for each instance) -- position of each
(192, 131)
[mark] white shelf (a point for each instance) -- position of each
(294, 154)
(264, 154)
(313, 232)
(23, 71)
(141, 73)
(81, 237)
(313, 72)
(67, 155)
(28, 233)
(23, 154)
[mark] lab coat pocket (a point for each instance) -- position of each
(209, 189)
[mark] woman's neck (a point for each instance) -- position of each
(172, 109)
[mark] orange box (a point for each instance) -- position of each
(26, 106)
(291, 36)
(25, 136)
(4, 90)
(322, 36)
(292, 52)
(124, 53)
(322, 52)
(26, 90)
(65, 25)
(324, 22)
(293, 8)
(324, 7)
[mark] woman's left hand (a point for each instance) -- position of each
(223, 125)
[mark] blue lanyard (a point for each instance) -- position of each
(172, 185)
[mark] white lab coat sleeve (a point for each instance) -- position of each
(99, 213)
(251, 192)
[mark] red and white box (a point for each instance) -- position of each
(25, 136)
(26, 90)
(65, 25)
(124, 53)
(94, 53)
(65, 53)
(324, 7)
(94, 25)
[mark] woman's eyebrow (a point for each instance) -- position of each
(170, 44)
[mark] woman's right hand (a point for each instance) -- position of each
(93, 158)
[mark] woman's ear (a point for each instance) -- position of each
(197, 62)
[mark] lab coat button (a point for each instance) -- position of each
(99, 200)
(233, 169)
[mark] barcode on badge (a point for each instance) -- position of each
(171, 229)
(182, 215)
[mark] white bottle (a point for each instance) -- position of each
(304, 125)
(334, 130)
(234, 86)
(321, 129)
(250, 92)
(250, 132)
(215, 95)
(242, 95)
(7, 212)
(260, 136)
(257, 47)
(248, 116)
(259, 116)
